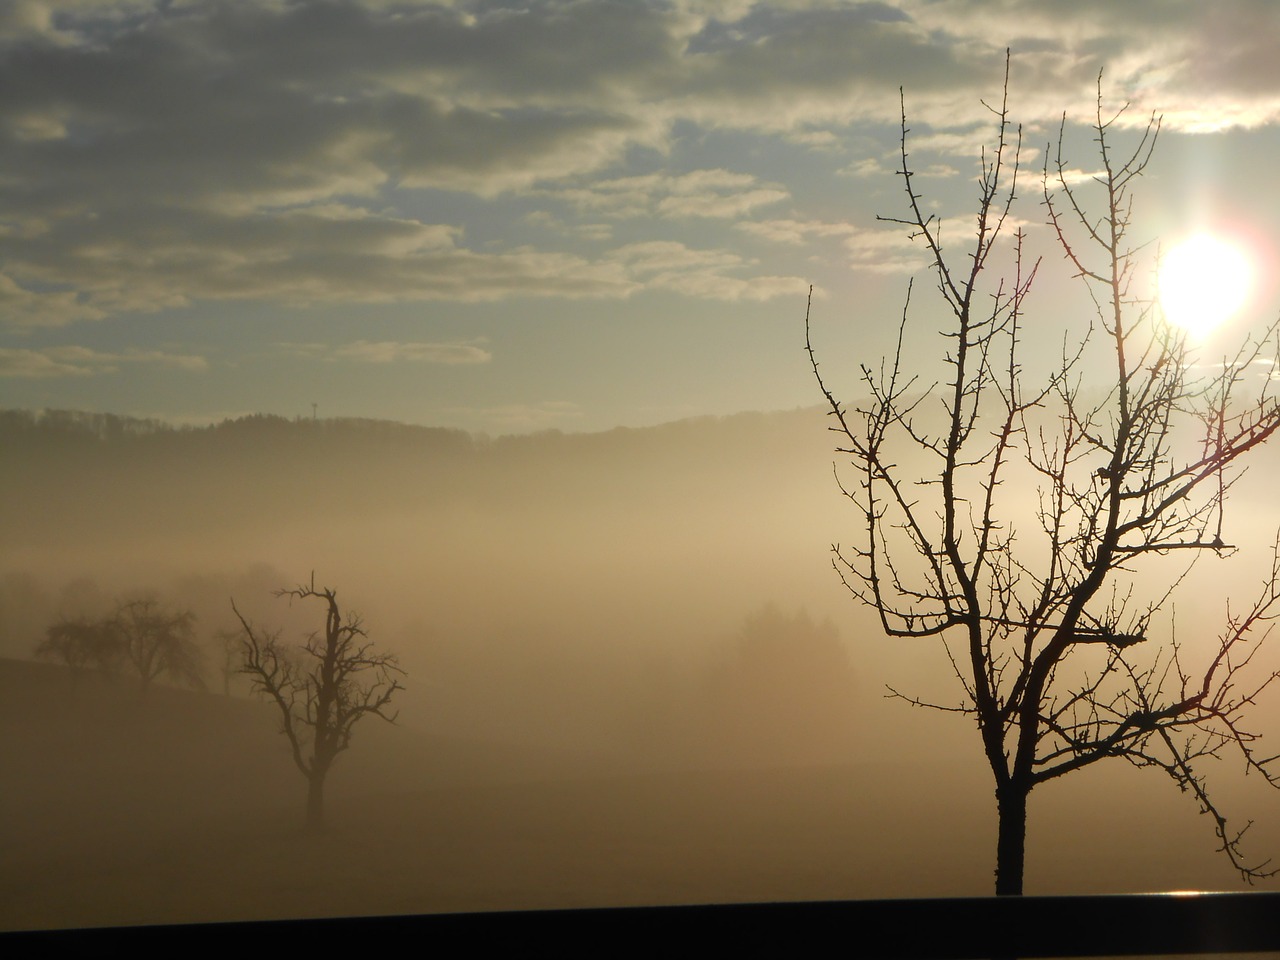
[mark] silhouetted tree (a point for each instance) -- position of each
(142, 633)
(80, 643)
(1058, 660)
(157, 641)
(323, 688)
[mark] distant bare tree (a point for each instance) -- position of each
(1046, 628)
(319, 688)
(158, 642)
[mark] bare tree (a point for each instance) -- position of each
(157, 641)
(319, 687)
(1061, 658)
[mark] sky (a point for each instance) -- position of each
(510, 217)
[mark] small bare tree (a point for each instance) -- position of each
(319, 687)
(1046, 632)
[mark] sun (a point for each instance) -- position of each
(1203, 281)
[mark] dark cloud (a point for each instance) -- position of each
(764, 24)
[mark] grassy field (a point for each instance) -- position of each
(184, 808)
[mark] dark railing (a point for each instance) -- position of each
(1166, 924)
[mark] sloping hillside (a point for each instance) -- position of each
(184, 809)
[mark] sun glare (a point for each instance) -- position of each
(1203, 281)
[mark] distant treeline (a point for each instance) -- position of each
(52, 427)
(72, 427)
(76, 477)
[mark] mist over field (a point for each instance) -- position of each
(632, 678)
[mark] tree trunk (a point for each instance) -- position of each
(1011, 844)
(315, 802)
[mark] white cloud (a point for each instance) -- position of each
(718, 205)
(878, 249)
(708, 285)
(868, 167)
(795, 232)
(1072, 176)
(702, 274)
(710, 193)
(886, 250)
(815, 139)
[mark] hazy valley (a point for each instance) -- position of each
(632, 677)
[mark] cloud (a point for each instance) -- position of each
(813, 62)
(394, 351)
(37, 365)
(1072, 176)
(280, 102)
(260, 105)
(160, 259)
(710, 193)
(20, 307)
(795, 232)
(389, 351)
(75, 361)
(703, 274)
(156, 155)
(868, 167)
(886, 250)
(883, 249)
(312, 255)
(726, 206)
(970, 145)
(28, 19)
(594, 232)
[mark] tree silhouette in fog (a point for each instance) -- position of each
(142, 634)
(157, 641)
(80, 643)
(322, 688)
(1061, 658)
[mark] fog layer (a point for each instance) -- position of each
(633, 677)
